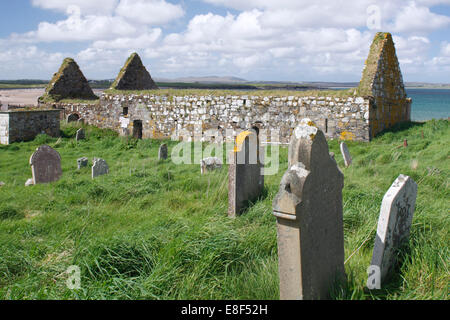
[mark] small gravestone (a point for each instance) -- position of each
(163, 152)
(309, 215)
(396, 214)
(80, 134)
(82, 162)
(210, 164)
(29, 182)
(245, 173)
(45, 165)
(100, 167)
(346, 154)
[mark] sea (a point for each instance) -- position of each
(429, 104)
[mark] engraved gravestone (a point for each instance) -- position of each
(100, 167)
(80, 134)
(309, 215)
(394, 224)
(245, 173)
(163, 152)
(45, 165)
(346, 154)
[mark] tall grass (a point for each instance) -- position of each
(155, 230)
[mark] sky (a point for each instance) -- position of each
(278, 40)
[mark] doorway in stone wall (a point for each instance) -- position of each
(137, 129)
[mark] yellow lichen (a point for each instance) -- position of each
(347, 136)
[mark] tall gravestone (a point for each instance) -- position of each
(45, 165)
(134, 76)
(99, 168)
(394, 224)
(309, 215)
(245, 173)
(346, 154)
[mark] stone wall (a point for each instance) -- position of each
(23, 125)
(165, 116)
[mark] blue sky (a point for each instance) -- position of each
(284, 40)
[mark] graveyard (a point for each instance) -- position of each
(147, 228)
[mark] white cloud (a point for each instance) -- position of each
(150, 12)
(85, 6)
(419, 19)
(278, 40)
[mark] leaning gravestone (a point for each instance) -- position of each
(80, 135)
(100, 167)
(309, 215)
(163, 152)
(396, 214)
(346, 154)
(245, 173)
(45, 165)
(210, 164)
(82, 162)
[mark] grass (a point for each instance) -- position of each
(155, 230)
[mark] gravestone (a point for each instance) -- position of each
(82, 162)
(346, 154)
(163, 152)
(210, 164)
(29, 182)
(394, 224)
(245, 173)
(100, 167)
(309, 215)
(80, 135)
(45, 165)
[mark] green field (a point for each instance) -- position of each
(156, 230)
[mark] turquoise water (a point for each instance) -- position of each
(429, 104)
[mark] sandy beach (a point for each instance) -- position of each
(21, 96)
(25, 97)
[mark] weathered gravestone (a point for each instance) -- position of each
(45, 165)
(100, 167)
(309, 215)
(245, 173)
(80, 135)
(210, 164)
(394, 223)
(82, 162)
(346, 154)
(163, 152)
